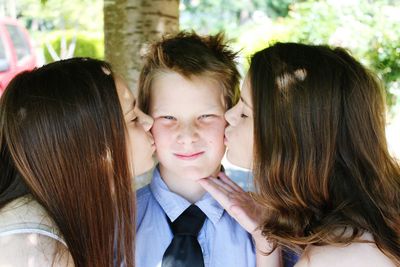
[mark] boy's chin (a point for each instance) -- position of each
(195, 174)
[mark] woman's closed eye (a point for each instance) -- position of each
(168, 117)
(242, 115)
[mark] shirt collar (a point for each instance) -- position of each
(174, 205)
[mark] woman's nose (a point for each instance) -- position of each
(231, 116)
(145, 120)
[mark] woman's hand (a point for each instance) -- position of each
(242, 207)
(238, 203)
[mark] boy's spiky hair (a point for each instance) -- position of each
(191, 55)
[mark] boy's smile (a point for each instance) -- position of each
(189, 156)
(188, 126)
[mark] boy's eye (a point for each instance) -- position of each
(135, 119)
(205, 116)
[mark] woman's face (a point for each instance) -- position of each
(140, 141)
(239, 133)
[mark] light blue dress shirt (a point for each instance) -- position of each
(223, 241)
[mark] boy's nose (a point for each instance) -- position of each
(187, 134)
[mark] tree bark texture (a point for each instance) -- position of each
(129, 26)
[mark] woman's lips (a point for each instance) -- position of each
(190, 156)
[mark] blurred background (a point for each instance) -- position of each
(48, 30)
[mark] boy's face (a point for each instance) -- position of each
(188, 125)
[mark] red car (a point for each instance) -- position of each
(16, 51)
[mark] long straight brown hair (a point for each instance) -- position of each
(321, 160)
(63, 141)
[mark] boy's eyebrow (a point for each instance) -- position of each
(163, 108)
(247, 104)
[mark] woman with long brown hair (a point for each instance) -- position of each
(72, 138)
(311, 126)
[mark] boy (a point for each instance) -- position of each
(186, 85)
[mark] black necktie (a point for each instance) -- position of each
(185, 250)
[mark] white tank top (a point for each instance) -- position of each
(26, 216)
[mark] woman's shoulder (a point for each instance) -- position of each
(355, 254)
(24, 215)
(32, 249)
(29, 237)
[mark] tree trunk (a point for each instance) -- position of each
(129, 25)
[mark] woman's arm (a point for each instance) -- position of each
(245, 211)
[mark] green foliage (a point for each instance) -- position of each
(62, 15)
(211, 16)
(368, 29)
(384, 52)
(276, 8)
(87, 44)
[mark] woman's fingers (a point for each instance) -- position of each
(237, 203)
(229, 182)
(217, 191)
(221, 183)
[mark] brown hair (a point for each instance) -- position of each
(190, 54)
(321, 160)
(63, 136)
